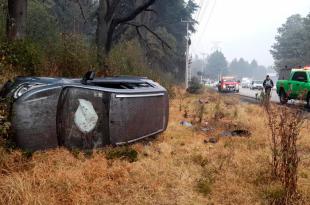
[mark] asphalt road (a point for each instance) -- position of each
(252, 93)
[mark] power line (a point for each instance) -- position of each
(205, 26)
(203, 9)
(210, 16)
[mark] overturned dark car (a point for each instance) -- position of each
(85, 113)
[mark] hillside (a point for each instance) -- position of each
(184, 165)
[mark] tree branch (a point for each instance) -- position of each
(134, 13)
(152, 10)
(111, 7)
(82, 11)
(138, 26)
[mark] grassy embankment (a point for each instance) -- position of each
(178, 167)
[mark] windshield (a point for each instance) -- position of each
(258, 82)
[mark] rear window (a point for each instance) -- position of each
(300, 76)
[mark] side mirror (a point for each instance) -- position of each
(90, 75)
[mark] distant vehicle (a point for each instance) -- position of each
(245, 82)
(257, 85)
(228, 84)
(296, 85)
(85, 113)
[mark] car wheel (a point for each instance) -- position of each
(283, 97)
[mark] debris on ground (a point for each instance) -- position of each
(213, 140)
(203, 101)
(241, 133)
(236, 133)
(205, 124)
(207, 129)
(226, 134)
(186, 124)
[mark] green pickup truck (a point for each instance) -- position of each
(296, 87)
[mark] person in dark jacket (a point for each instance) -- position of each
(268, 85)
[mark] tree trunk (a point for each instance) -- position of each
(16, 21)
(106, 24)
(102, 35)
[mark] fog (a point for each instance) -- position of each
(242, 28)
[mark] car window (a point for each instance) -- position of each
(300, 76)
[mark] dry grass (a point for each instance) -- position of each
(176, 168)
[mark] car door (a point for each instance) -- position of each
(297, 84)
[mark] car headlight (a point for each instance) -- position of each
(21, 90)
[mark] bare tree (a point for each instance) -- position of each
(108, 21)
(16, 21)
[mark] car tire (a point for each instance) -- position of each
(283, 97)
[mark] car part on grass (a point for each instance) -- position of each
(236, 133)
(212, 140)
(186, 124)
(85, 113)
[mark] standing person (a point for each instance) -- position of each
(268, 85)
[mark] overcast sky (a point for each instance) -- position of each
(243, 28)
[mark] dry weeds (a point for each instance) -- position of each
(178, 167)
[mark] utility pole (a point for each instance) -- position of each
(187, 52)
(203, 65)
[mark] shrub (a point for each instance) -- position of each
(128, 58)
(70, 56)
(274, 193)
(285, 125)
(21, 55)
(204, 186)
(195, 86)
(5, 125)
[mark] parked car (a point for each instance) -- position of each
(85, 113)
(295, 86)
(257, 85)
(228, 84)
(245, 83)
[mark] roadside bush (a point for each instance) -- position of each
(285, 125)
(127, 58)
(5, 124)
(70, 56)
(3, 5)
(195, 86)
(274, 193)
(204, 186)
(21, 55)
